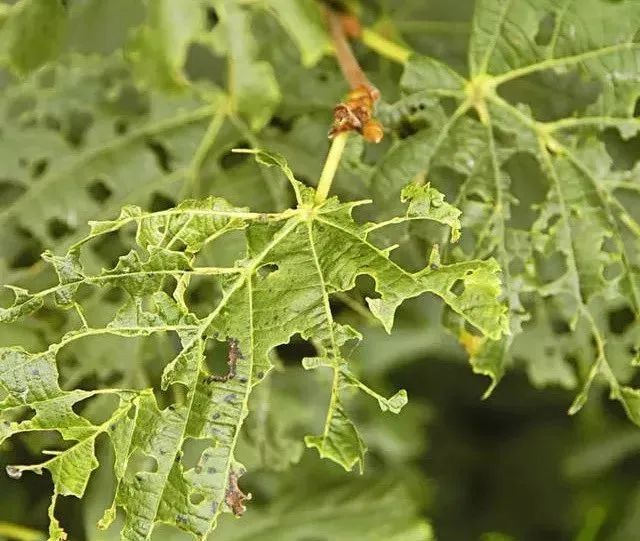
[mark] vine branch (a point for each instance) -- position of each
(356, 112)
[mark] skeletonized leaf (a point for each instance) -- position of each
(294, 262)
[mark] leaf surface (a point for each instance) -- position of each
(294, 262)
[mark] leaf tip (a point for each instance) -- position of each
(14, 472)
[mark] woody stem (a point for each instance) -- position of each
(348, 62)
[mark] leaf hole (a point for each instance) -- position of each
(502, 137)
(623, 152)
(339, 305)
(551, 267)
(161, 155)
(292, 353)
(472, 330)
(196, 498)
(407, 128)
(161, 202)
(120, 127)
(366, 287)
(129, 101)
(621, 319)
(202, 64)
(613, 271)
(551, 222)
(10, 191)
(522, 168)
(475, 197)
(211, 17)
(59, 229)
(545, 29)
(99, 191)
(458, 287)
(196, 453)
(114, 295)
(97, 409)
(280, 123)
(140, 463)
(27, 257)
(560, 326)
(230, 159)
(472, 114)
(21, 414)
(79, 123)
(39, 168)
(449, 105)
(31, 249)
(114, 379)
(609, 245)
(215, 356)
(266, 270)
(109, 247)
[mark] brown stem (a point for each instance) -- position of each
(348, 62)
(356, 113)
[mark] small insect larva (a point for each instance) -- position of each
(233, 356)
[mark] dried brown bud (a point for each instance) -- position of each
(356, 114)
(372, 131)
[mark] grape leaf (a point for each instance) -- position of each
(158, 50)
(32, 32)
(294, 261)
(252, 83)
(62, 178)
(302, 21)
(581, 246)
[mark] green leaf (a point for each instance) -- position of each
(293, 262)
(302, 21)
(125, 153)
(514, 44)
(252, 83)
(426, 202)
(158, 50)
(32, 32)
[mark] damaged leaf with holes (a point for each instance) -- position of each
(567, 241)
(112, 145)
(313, 252)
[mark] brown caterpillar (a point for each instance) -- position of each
(233, 356)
